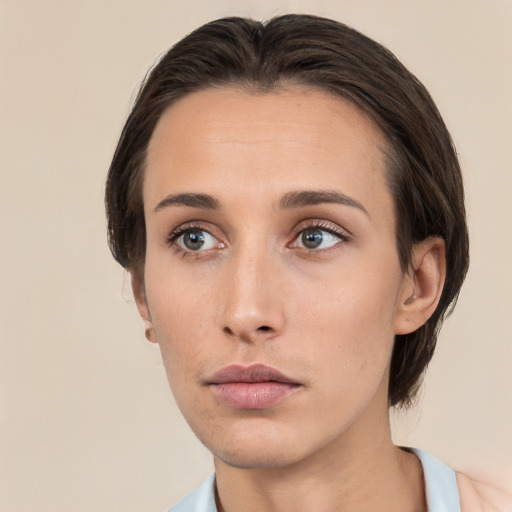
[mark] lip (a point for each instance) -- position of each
(251, 387)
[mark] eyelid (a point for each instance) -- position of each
(177, 232)
(190, 226)
(324, 225)
(332, 229)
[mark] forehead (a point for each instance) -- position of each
(216, 140)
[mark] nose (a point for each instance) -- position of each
(252, 300)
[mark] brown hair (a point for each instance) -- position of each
(423, 171)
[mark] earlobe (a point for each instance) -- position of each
(422, 286)
(139, 293)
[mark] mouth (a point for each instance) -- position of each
(251, 387)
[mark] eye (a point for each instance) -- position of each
(317, 238)
(194, 239)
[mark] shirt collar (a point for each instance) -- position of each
(440, 488)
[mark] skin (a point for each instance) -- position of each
(254, 293)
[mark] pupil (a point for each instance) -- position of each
(312, 239)
(193, 240)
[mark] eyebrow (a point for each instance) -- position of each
(312, 197)
(296, 199)
(203, 201)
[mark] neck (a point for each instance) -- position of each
(358, 471)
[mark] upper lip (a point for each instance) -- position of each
(252, 373)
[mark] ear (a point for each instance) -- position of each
(139, 292)
(422, 285)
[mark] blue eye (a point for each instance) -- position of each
(195, 240)
(315, 238)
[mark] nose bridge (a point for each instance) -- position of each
(252, 305)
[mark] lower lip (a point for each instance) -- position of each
(252, 395)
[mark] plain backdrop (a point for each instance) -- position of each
(87, 422)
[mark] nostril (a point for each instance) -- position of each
(246, 334)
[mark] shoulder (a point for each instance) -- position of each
(478, 496)
(450, 491)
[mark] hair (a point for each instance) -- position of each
(423, 172)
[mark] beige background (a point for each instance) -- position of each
(87, 421)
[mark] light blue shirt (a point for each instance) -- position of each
(440, 486)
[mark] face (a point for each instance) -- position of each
(272, 281)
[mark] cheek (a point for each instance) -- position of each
(359, 298)
(174, 309)
(354, 315)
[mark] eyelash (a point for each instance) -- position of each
(322, 225)
(182, 230)
(313, 224)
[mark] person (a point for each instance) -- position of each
(289, 204)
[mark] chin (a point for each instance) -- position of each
(256, 446)
(257, 459)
